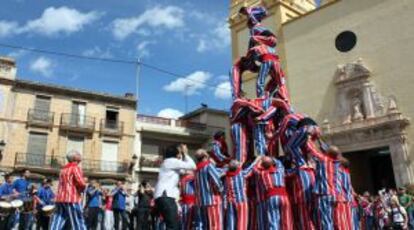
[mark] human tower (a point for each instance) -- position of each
(306, 187)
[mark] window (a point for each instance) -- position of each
(36, 148)
(150, 149)
(345, 41)
(75, 143)
(111, 119)
(109, 156)
(78, 113)
(42, 103)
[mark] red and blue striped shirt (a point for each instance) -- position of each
(71, 184)
(187, 191)
(219, 152)
(208, 186)
(269, 179)
(235, 184)
(325, 173)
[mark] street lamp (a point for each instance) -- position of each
(2, 146)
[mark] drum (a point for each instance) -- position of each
(48, 210)
(5, 208)
(17, 205)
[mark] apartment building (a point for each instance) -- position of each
(40, 123)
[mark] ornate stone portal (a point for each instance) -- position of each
(364, 119)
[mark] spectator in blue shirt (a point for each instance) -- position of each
(46, 197)
(118, 206)
(20, 185)
(93, 204)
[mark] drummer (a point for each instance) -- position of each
(20, 185)
(6, 188)
(30, 200)
(6, 194)
(46, 197)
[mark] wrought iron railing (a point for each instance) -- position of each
(48, 162)
(40, 117)
(112, 127)
(76, 121)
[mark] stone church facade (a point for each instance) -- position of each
(349, 65)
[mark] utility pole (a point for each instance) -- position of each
(186, 97)
(138, 80)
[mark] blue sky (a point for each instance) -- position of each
(187, 37)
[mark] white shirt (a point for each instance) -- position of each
(398, 214)
(129, 203)
(169, 176)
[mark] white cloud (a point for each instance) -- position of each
(223, 90)
(190, 84)
(62, 20)
(169, 17)
(218, 38)
(142, 48)
(7, 28)
(97, 52)
(170, 113)
(43, 66)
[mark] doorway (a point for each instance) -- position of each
(371, 170)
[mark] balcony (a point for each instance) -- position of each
(77, 123)
(175, 126)
(112, 128)
(154, 120)
(47, 163)
(40, 118)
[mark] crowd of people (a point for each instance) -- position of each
(198, 195)
(388, 209)
(77, 204)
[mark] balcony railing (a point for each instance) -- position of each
(47, 162)
(111, 127)
(41, 118)
(191, 124)
(154, 120)
(76, 122)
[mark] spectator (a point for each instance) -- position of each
(166, 190)
(93, 204)
(406, 201)
(129, 207)
(367, 211)
(398, 215)
(145, 194)
(108, 220)
(119, 205)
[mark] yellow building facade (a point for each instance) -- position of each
(40, 123)
(348, 65)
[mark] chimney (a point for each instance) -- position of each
(7, 68)
(129, 95)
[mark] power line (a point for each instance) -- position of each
(112, 60)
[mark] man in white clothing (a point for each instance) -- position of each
(175, 161)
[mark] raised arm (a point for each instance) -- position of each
(176, 164)
(218, 154)
(279, 166)
(215, 174)
(247, 172)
